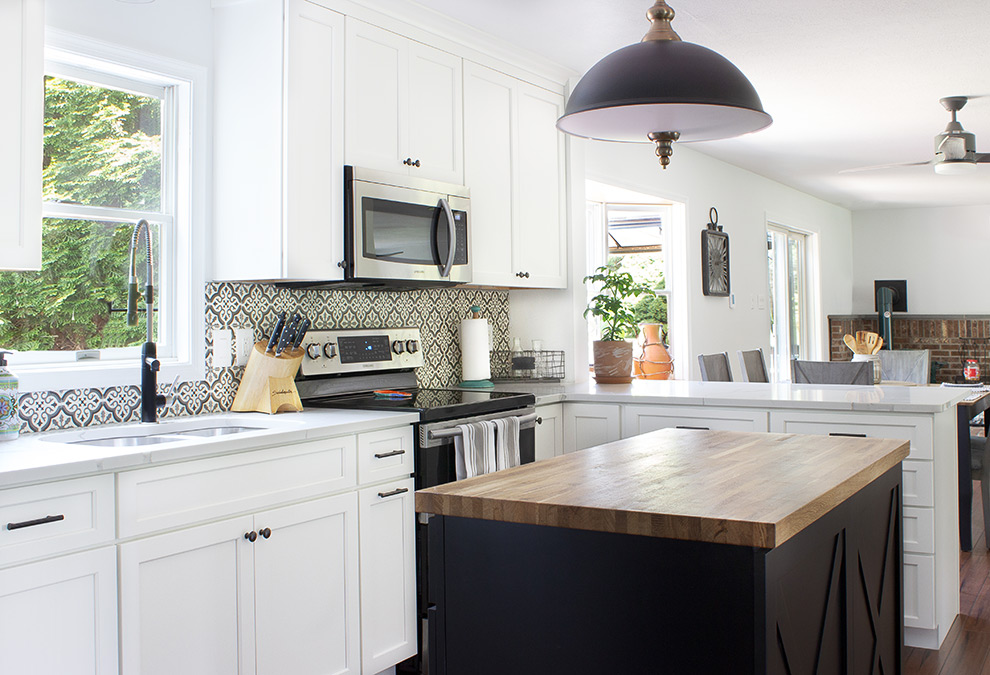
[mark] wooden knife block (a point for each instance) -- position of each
(269, 383)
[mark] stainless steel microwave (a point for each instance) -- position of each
(405, 231)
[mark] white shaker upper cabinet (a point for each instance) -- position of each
(22, 46)
(403, 105)
(279, 197)
(513, 164)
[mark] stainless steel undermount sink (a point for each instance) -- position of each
(175, 432)
(214, 431)
(125, 441)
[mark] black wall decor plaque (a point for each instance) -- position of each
(714, 259)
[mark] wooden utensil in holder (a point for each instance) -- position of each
(269, 383)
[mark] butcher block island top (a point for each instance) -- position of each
(724, 487)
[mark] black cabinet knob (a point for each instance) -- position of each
(251, 536)
(265, 532)
(416, 163)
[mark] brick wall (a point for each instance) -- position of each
(951, 339)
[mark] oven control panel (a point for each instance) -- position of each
(330, 352)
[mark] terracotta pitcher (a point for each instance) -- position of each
(654, 363)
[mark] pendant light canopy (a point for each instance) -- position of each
(663, 90)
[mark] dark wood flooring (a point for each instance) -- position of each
(966, 650)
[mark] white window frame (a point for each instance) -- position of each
(598, 245)
(180, 288)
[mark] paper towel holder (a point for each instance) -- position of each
(469, 325)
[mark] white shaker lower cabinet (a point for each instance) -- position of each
(388, 581)
(590, 424)
(641, 419)
(59, 616)
(550, 433)
(186, 602)
(306, 598)
(268, 594)
(930, 518)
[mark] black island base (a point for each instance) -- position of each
(519, 599)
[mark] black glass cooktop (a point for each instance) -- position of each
(431, 404)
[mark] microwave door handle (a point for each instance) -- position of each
(451, 236)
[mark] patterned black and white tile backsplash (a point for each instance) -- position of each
(437, 312)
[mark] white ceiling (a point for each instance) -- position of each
(849, 83)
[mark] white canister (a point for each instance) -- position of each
(875, 359)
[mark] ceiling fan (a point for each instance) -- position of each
(955, 148)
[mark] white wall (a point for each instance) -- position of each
(941, 252)
(745, 201)
(177, 29)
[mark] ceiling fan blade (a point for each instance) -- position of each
(884, 166)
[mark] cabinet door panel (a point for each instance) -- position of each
(549, 434)
(538, 234)
(314, 142)
(22, 44)
(187, 602)
(589, 424)
(306, 581)
(59, 616)
(488, 115)
(435, 110)
(388, 575)
(377, 95)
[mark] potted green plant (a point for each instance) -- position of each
(613, 305)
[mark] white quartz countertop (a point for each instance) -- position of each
(882, 398)
(43, 456)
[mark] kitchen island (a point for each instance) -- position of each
(675, 551)
(935, 484)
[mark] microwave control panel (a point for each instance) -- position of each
(331, 352)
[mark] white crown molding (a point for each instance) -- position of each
(441, 31)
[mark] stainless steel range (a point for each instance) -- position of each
(344, 369)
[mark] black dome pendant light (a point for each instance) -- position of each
(663, 90)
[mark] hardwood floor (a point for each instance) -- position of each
(966, 650)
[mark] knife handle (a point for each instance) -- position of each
(276, 332)
(300, 334)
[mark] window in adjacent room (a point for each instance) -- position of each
(636, 238)
(788, 258)
(116, 150)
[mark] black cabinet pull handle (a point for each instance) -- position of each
(397, 491)
(697, 428)
(251, 536)
(845, 435)
(267, 532)
(37, 521)
(383, 455)
(522, 275)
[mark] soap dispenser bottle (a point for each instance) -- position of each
(10, 422)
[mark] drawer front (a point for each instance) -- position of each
(918, 483)
(385, 454)
(642, 419)
(181, 494)
(42, 520)
(919, 529)
(919, 591)
(916, 430)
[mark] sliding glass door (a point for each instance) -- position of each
(789, 299)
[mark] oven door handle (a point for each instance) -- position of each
(451, 432)
(451, 236)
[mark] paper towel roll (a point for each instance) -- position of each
(474, 350)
